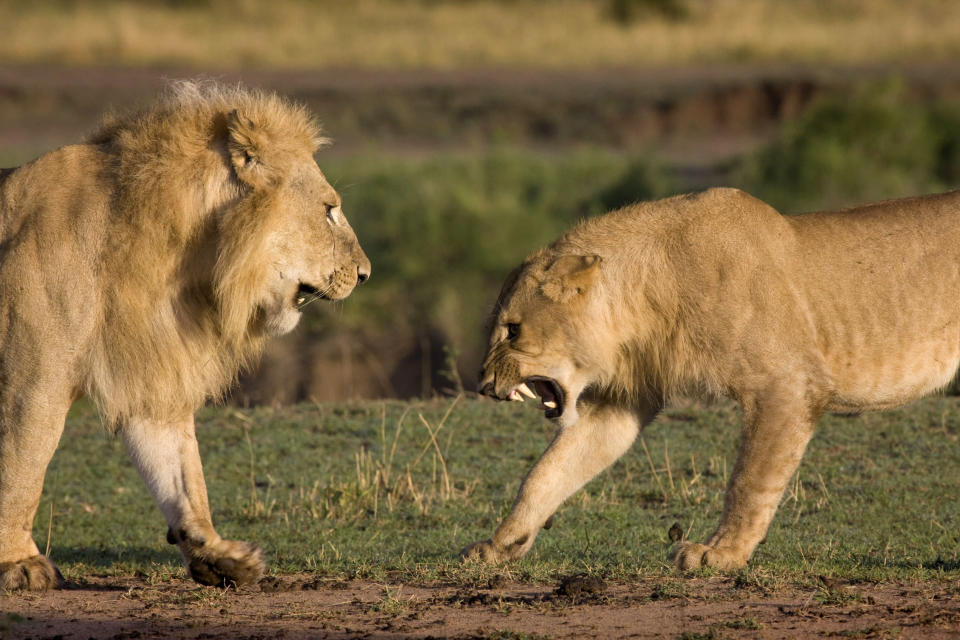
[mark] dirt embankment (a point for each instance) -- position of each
(125, 608)
(714, 109)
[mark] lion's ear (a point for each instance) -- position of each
(244, 144)
(569, 276)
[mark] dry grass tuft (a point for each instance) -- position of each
(483, 33)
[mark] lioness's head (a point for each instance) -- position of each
(542, 341)
(287, 242)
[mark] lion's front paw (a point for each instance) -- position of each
(691, 555)
(226, 563)
(36, 573)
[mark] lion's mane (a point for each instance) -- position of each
(184, 252)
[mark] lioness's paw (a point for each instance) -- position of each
(36, 573)
(691, 555)
(482, 551)
(227, 563)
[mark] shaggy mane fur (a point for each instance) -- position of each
(666, 357)
(184, 249)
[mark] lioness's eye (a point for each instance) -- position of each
(513, 330)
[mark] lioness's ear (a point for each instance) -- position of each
(244, 146)
(569, 276)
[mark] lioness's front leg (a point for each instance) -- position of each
(577, 454)
(776, 430)
(168, 459)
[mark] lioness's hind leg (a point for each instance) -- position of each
(776, 431)
(168, 459)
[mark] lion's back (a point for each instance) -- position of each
(56, 206)
(52, 221)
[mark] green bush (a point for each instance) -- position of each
(626, 12)
(442, 233)
(875, 144)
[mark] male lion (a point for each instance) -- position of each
(790, 316)
(144, 269)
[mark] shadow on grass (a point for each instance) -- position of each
(937, 564)
(107, 558)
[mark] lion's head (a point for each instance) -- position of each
(289, 242)
(543, 342)
(222, 229)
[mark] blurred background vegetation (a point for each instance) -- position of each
(470, 132)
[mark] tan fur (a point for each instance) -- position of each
(145, 268)
(717, 292)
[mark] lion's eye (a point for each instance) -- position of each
(513, 330)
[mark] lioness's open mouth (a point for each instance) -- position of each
(306, 294)
(549, 390)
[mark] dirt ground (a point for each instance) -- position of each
(306, 607)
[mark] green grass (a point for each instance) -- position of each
(392, 490)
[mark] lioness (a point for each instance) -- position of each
(144, 268)
(790, 316)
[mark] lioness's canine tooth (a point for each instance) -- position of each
(525, 390)
(515, 396)
(550, 404)
(300, 300)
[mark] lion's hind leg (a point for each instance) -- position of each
(168, 459)
(777, 428)
(222, 563)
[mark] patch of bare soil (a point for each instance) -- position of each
(577, 607)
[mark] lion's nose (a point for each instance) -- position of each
(362, 275)
(486, 389)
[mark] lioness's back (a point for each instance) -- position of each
(882, 286)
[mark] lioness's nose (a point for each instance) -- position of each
(363, 267)
(486, 387)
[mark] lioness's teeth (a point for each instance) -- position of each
(525, 390)
(515, 396)
(550, 404)
(300, 300)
